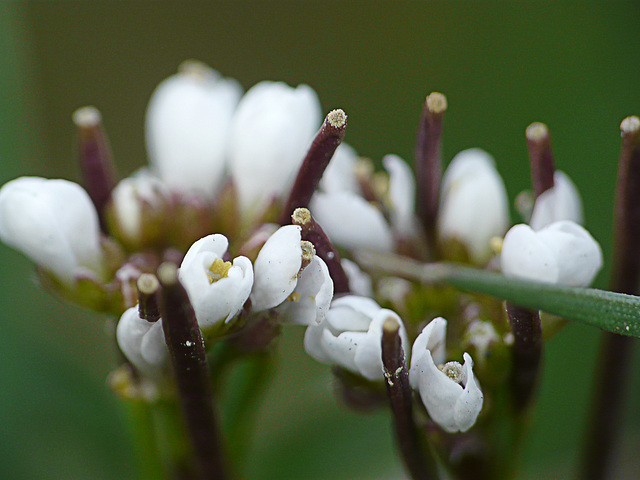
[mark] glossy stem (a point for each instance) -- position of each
(540, 157)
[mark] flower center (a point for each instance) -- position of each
(454, 371)
(218, 269)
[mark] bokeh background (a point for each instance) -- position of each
(575, 66)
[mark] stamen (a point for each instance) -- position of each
(219, 269)
(327, 140)
(540, 157)
(148, 289)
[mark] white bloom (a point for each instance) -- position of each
(276, 268)
(561, 202)
(54, 223)
(562, 253)
(402, 193)
(339, 176)
(142, 343)
(271, 132)
(351, 336)
(187, 126)
(473, 203)
(217, 289)
(452, 397)
(351, 222)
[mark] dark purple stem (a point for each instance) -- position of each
(312, 232)
(400, 400)
(148, 293)
(320, 153)
(191, 373)
(615, 350)
(96, 162)
(540, 157)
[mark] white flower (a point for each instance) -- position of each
(187, 126)
(562, 253)
(402, 192)
(450, 392)
(351, 222)
(54, 223)
(143, 343)
(217, 289)
(473, 203)
(271, 132)
(561, 202)
(350, 336)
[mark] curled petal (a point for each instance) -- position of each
(561, 202)
(351, 222)
(142, 343)
(432, 338)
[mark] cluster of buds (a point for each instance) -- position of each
(241, 223)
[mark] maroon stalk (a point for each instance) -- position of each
(428, 163)
(191, 373)
(320, 153)
(400, 399)
(312, 232)
(540, 157)
(616, 350)
(148, 292)
(96, 162)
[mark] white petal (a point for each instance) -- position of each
(341, 349)
(313, 295)
(217, 244)
(351, 222)
(187, 126)
(561, 202)
(276, 268)
(359, 282)
(271, 132)
(402, 192)
(525, 256)
(339, 175)
(432, 338)
(313, 343)
(153, 348)
(352, 312)
(53, 222)
(469, 404)
(473, 203)
(142, 342)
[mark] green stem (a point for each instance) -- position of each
(140, 416)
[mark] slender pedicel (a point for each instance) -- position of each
(540, 157)
(616, 350)
(327, 140)
(148, 290)
(191, 372)
(313, 232)
(400, 399)
(96, 162)
(428, 162)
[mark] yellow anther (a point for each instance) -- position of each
(218, 269)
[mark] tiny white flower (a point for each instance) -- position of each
(350, 336)
(449, 391)
(402, 192)
(271, 132)
(143, 343)
(562, 253)
(217, 289)
(187, 126)
(351, 222)
(54, 223)
(561, 202)
(277, 268)
(473, 203)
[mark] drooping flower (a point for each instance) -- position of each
(560, 202)
(562, 253)
(449, 391)
(54, 223)
(217, 288)
(350, 336)
(473, 203)
(187, 126)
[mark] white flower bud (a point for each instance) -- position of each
(351, 222)
(142, 343)
(351, 336)
(473, 203)
(402, 193)
(561, 202)
(187, 126)
(271, 132)
(54, 223)
(450, 393)
(562, 253)
(217, 289)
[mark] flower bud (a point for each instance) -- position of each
(270, 134)
(450, 392)
(187, 126)
(54, 223)
(560, 202)
(562, 253)
(473, 203)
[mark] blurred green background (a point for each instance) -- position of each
(575, 66)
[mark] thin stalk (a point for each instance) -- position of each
(540, 157)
